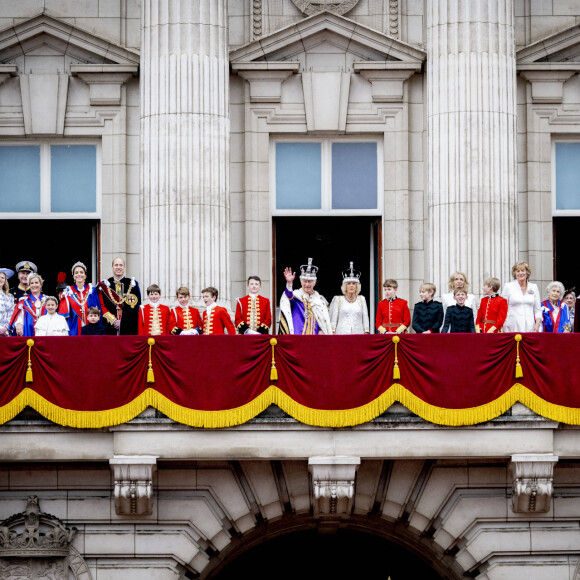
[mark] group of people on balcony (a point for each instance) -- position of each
(517, 309)
(114, 307)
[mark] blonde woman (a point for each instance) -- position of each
(349, 313)
(458, 280)
(523, 297)
(6, 301)
(30, 307)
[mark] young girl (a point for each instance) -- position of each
(51, 323)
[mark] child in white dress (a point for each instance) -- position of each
(52, 323)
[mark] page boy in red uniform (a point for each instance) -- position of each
(253, 312)
(184, 319)
(393, 314)
(154, 316)
(492, 309)
(216, 318)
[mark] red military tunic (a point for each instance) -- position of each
(254, 314)
(491, 314)
(153, 321)
(217, 321)
(184, 319)
(392, 315)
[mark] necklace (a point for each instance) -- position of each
(349, 300)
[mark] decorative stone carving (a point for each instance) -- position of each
(257, 18)
(387, 78)
(548, 83)
(133, 484)
(34, 533)
(266, 78)
(533, 475)
(394, 18)
(36, 546)
(333, 480)
(105, 81)
(336, 6)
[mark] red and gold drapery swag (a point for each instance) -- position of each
(330, 381)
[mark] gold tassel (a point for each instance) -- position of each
(519, 371)
(150, 375)
(396, 371)
(273, 370)
(30, 344)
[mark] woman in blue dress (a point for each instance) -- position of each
(76, 300)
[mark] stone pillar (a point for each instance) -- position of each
(471, 78)
(185, 146)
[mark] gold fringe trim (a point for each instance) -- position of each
(307, 415)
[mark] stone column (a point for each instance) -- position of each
(185, 146)
(471, 76)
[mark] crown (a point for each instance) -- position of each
(33, 533)
(308, 271)
(351, 275)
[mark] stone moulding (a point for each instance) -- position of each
(533, 476)
(104, 81)
(133, 477)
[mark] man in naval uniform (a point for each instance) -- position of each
(120, 298)
(24, 269)
(303, 311)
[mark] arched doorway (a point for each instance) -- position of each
(307, 554)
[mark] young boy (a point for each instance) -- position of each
(51, 323)
(215, 318)
(493, 308)
(427, 314)
(253, 312)
(153, 317)
(459, 318)
(393, 315)
(184, 319)
(94, 326)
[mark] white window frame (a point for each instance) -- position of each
(45, 178)
(326, 177)
(561, 212)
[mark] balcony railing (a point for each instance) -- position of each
(332, 381)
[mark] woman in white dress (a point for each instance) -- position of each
(524, 305)
(458, 280)
(349, 313)
(6, 301)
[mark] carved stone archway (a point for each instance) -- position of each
(443, 565)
